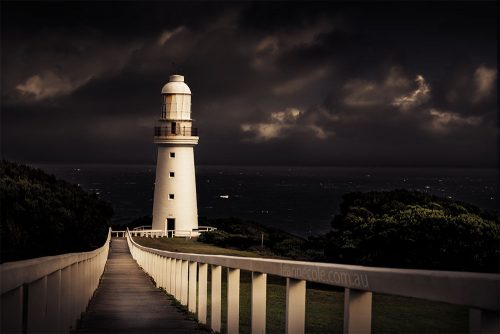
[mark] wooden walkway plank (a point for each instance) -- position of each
(127, 301)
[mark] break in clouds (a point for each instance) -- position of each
(396, 94)
(315, 84)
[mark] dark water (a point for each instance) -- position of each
(301, 200)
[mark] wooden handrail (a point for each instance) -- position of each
(48, 294)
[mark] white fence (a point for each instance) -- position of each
(142, 231)
(48, 294)
(142, 228)
(148, 233)
(183, 274)
(206, 229)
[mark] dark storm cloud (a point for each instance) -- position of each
(273, 83)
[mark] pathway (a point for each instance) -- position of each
(127, 301)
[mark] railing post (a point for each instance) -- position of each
(295, 306)
(202, 292)
(149, 262)
(173, 284)
(215, 315)
(483, 321)
(154, 269)
(79, 292)
(37, 305)
(144, 259)
(192, 287)
(259, 286)
(178, 278)
(357, 311)
(81, 282)
(73, 300)
(151, 271)
(184, 282)
(163, 272)
(233, 300)
(12, 311)
(65, 320)
(168, 276)
(88, 281)
(53, 301)
(93, 273)
(157, 270)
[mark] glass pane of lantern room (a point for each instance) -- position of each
(186, 105)
(168, 100)
(178, 101)
(173, 106)
(168, 105)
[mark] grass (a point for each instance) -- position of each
(192, 246)
(324, 304)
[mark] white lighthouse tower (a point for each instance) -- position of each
(174, 206)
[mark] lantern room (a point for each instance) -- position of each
(176, 99)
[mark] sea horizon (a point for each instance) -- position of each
(31, 163)
(298, 199)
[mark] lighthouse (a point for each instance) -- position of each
(174, 205)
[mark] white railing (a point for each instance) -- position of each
(148, 233)
(189, 233)
(118, 234)
(141, 228)
(183, 274)
(181, 233)
(206, 229)
(48, 294)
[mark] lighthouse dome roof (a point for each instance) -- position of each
(176, 85)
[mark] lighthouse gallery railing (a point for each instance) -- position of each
(48, 294)
(165, 131)
(182, 275)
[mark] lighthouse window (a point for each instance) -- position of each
(170, 196)
(172, 154)
(172, 174)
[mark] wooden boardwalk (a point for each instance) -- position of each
(127, 301)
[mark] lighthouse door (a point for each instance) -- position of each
(170, 224)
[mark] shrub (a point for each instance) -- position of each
(413, 230)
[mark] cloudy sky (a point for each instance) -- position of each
(392, 84)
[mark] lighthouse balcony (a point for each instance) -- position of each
(167, 131)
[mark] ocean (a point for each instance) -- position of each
(300, 200)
